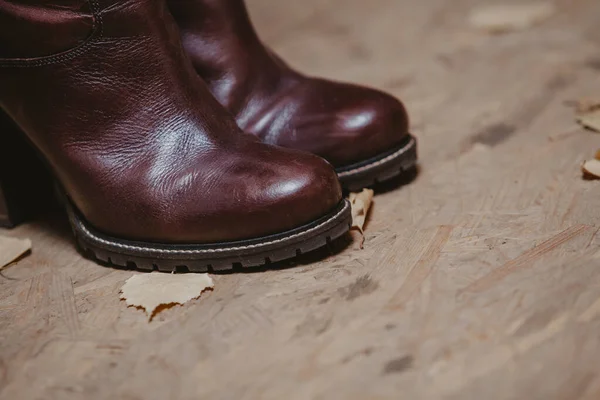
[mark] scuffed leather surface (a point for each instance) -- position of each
(342, 123)
(143, 149)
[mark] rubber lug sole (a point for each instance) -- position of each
(209, 257)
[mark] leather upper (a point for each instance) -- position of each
(342, 123)
(29, 30)
(139, 144)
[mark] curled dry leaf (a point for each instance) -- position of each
(591, 168)
(361, 203)
(12, 249)
(584, 106)
(590, 120)
(157, 291)
(500, 18)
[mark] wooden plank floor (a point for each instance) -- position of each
(481, 280)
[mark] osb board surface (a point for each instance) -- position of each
(478, 281)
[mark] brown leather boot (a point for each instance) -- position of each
(362, 132)
(155, 173)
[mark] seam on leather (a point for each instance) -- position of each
(68, 55)
(91, 236)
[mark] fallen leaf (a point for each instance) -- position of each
(584, 106)
(158, 291)
(12, 249)
(591, 169)
(501, 18)
(361, 203)
(590, 120)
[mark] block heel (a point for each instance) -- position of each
(26, 187)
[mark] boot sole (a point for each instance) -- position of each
(209, 257)
(383, 167)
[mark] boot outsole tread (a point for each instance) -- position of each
(210, 257)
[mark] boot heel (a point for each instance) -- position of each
(25, 185)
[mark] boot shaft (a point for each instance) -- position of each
(120, 86)
(35, 32)
(65, 53)
(30, 28)
(224, 48)
(216, 16)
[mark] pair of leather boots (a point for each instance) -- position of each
(164, 163)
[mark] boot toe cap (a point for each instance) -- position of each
(345, 123)
(271, 192)
(373, 126)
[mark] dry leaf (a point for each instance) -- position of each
(11, 249)
(500, 18)
(361, 203)
(590, 120)
(584, 106)
(157, 291)
(591, 169)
